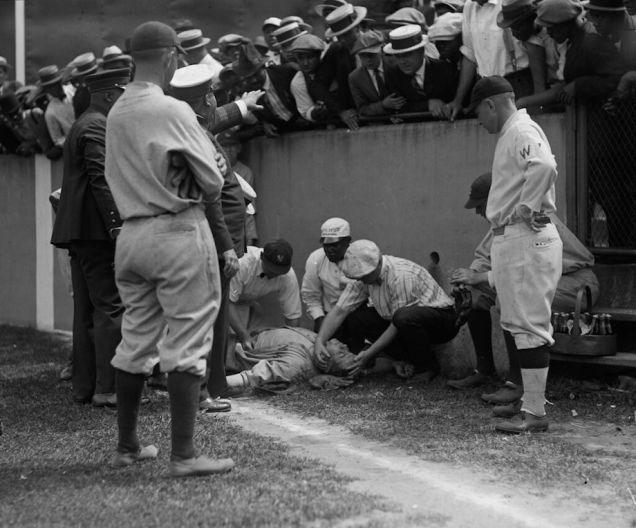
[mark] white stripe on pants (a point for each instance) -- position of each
(526, 267)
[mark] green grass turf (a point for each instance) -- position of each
(444, 425)
(54, 461)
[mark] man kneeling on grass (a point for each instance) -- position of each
(411, 311)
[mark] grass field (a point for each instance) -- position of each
(54, 461)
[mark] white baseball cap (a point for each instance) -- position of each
(362, 257)
(333, 230)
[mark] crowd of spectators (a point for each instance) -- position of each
(404, 65)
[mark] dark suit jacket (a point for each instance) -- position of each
(336, 65)
(367, 99)
(226, 116)
(439, 83)
(87, 210)
(593, 64)
(280, 77)
(226, 216)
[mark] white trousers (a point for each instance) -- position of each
(526, 267)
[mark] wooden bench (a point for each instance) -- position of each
(617, 298)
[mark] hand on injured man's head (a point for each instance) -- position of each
(341, 361)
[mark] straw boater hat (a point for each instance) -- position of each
(192, 39)
(111, 53)
(513, 11)
(271, 21)
(609, 6)
(330, 5)
(409, 38)
(288, 33)
(84, 64)
(49, 75)
(291, 19)
(343, 19)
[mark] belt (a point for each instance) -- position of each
(498, 231)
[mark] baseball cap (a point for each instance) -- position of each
(191, 82)
(154, 35)
(488, 87)
(368, 42)
(278, 254)
(332, 230)
(362, 257)
(479, 190)
(550, 12)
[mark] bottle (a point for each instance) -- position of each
(569, 322)
(594, 330)
(608, 324)
(602, 328)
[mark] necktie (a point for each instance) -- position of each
(379, 82)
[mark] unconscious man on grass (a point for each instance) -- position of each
(285, 357)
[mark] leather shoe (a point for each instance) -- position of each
(507, 411)
(199, 466)
(474, 380)
(108, 399)
(128, 459)
(509, 393)
(211, 405)
(524, 423)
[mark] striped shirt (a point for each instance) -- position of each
(401, 283)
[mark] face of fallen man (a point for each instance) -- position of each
(336, 251)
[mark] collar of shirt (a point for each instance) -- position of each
(519, 114)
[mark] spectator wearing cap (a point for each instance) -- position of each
(488, 50)
(293, 19)
(339, 61)
(168, 282)
(577, 272)
(368, 82)
(592, 63)
(411, 311)
(448, 6)
(446, 34)
(313, 100)
(263, 271)
(7, 86)
(226, 216)
(324, 282)
(270, 25)
(424, 82)
(407, 16)
(59, 114)
(194, 44)
(87, 223)
(82, 65)
(231, 145)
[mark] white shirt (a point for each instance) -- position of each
(484, 42)
(59, 115)
(523, 172)
(554, 55)
(323, 283)
(247, 285)
(304, 102)
(419, 75)
(214, 65)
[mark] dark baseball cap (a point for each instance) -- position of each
(278, 253)
(487, 87)
(479, 190)
(154, 35)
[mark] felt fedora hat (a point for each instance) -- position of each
(192, 39)
(49, 75)
(513, 11)
(409, 38)
(343, 19)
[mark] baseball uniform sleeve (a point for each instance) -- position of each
(481, 262)
(539, 175)
(311, 290)
(237, 283)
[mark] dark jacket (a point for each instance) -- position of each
(439, 83)
(227, 215)
(226, 116)
(87, 210)
(366, 97)
(335, 66)
(280, 76)
(593, 64)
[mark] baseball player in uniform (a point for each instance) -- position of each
(166, 265)
(526, 251)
